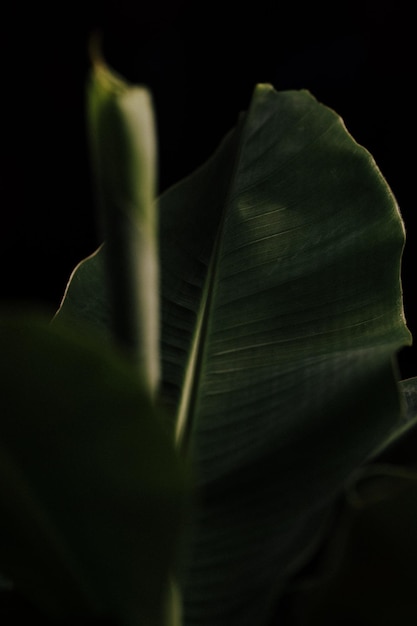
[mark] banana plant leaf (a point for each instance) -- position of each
(92, 494)
(365, 571)
(281, 313)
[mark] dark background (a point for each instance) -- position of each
(201, 60)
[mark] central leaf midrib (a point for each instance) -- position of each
(193, 370)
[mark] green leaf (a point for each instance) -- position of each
(92, 493)
(123, 150)
(281, 316)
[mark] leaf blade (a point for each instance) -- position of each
(89, 475)
(277, 363)
(304, 319)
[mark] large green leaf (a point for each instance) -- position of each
(281, 317)
(91, 490)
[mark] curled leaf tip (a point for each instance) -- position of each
(95, 48)
(106, 76)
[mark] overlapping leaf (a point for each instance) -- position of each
(91, 492)
(365, 570)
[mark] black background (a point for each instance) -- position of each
(201, 61)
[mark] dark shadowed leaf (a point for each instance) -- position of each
(91, 490)
(365, 574)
